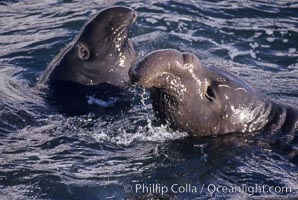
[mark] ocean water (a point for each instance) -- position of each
(128, 155)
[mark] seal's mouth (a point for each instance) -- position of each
(125, 19)
(133, 75)
(118, 37)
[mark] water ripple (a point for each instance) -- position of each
(46, 155)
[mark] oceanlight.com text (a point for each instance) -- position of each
(162, 189)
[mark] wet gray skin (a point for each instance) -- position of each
(100, 53)
(205, 100)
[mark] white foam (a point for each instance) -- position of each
(269, 32)
(122, 135)
(145, 133)
(270, 39)
(95, 101)
(292, 50)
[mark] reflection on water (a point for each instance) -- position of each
(46, 155)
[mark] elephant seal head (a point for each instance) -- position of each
(201, 100)
(100, 53)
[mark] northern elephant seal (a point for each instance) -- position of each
(94, 65)
(100, 53)
(205, 100)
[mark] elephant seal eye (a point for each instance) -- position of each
(210, 94)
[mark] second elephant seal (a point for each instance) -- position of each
(94, 66)
(205, 100)
(100, 53)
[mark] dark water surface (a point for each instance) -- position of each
(45, 155)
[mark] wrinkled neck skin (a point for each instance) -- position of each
(282, 118)
(207, 101)
(251, 113)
